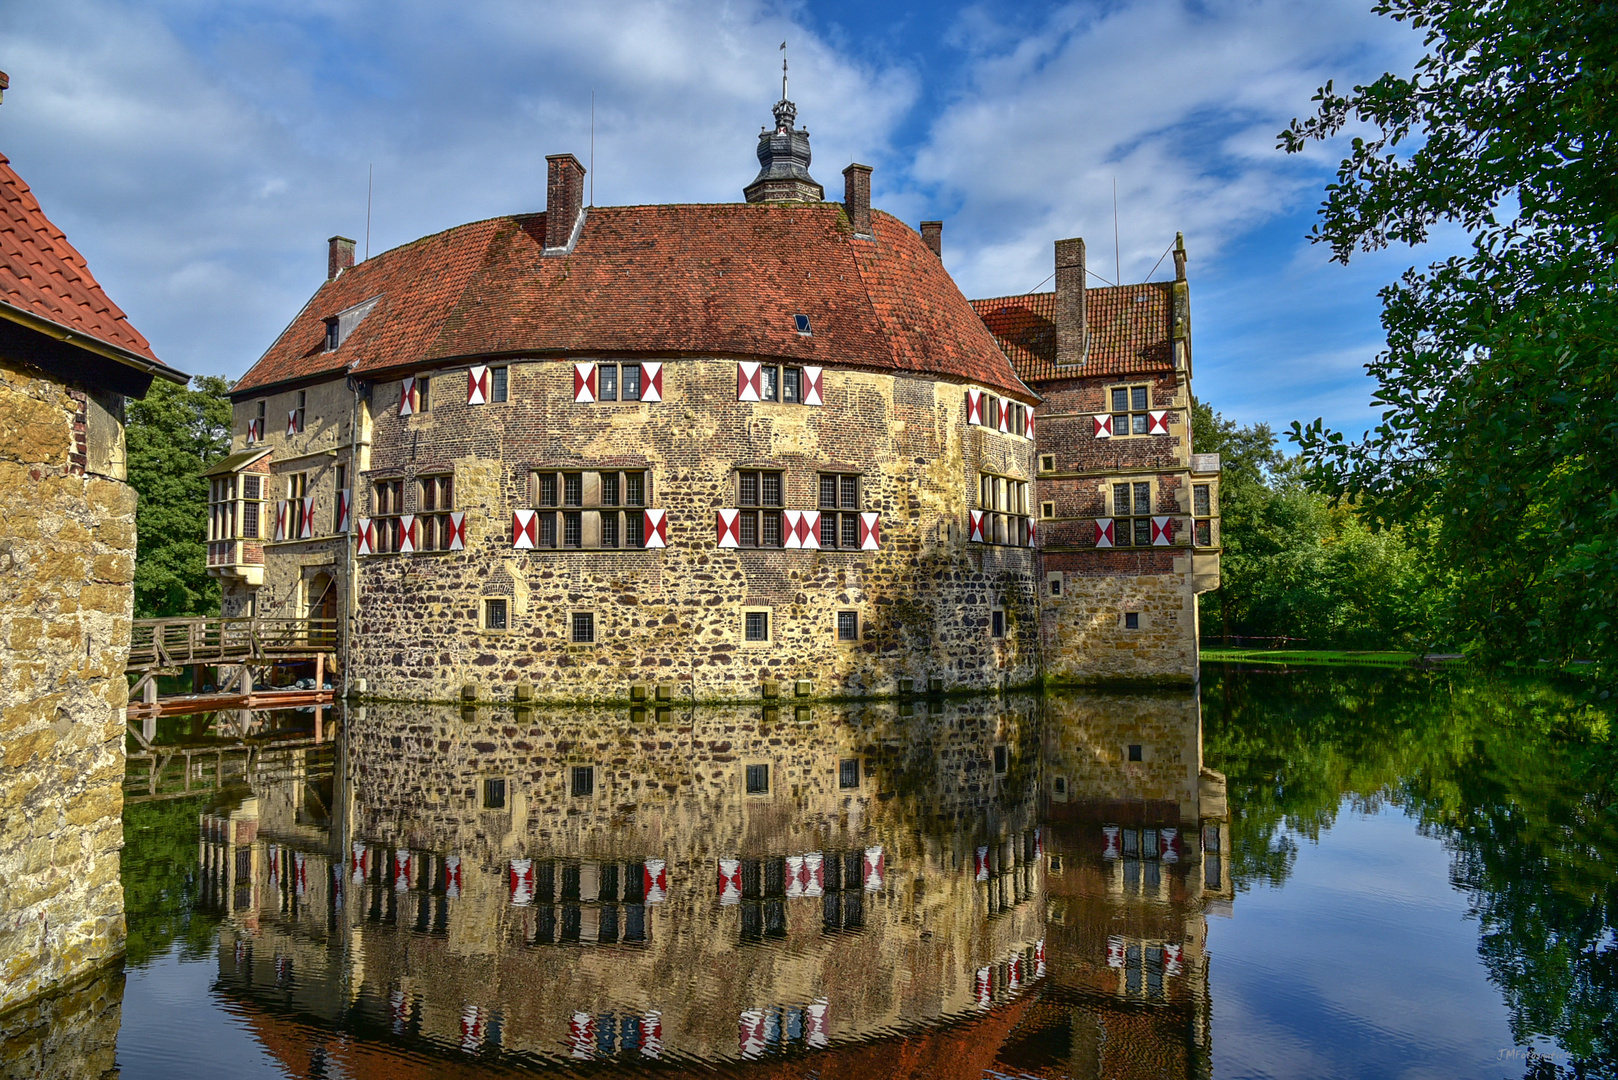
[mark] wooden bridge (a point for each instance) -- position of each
(236, 646)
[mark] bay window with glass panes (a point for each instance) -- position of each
(591, 509)
(235, 513)
(1202, 512)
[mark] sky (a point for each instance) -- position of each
(199, 152)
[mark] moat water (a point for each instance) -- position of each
(1317, 873)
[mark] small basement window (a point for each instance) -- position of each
(756, 625)
(848, 626)
(802, 323)
(1131, 620)
(584, 628)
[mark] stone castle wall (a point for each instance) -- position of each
(67, 551)
(674, 616)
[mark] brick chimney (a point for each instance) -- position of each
(857, 198)
(1072, 344)
(932, 234)
(339, 256)
(564, 199)
(5, 84)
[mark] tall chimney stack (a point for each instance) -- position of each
(339, 256)
(857, 198)
(932, 234)
(1072, 345)
(564, 199)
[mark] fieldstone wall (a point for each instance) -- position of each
(67, 550)
(71, 1034)
(674, 616)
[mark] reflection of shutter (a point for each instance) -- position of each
(457, 532)
(366, 542)
(651, 1034)
(1014, 972)
(656, 883)
(817, 1033)
(522, 881)
(749, 383)
(408, 398)
(1039, 959)
(795, 877)
(870, 531)
(1162, 531)
(814, 870)
(729, 528)
(1115, 951)
(1173, 959)
(584, 382)
(1157, 423)
(750, 1034)
(812, 386)
(407, 534)
(403, 867)
(875, 868)
(524, 528)
(360, 863)
(1171, 844)
(651, 382)
(581, 1036)
(1103, 426)
(974, 526)
(1104, 532)
(974, 406)
(657, 529)
(983, 985)
(980, 864)
(730, 881)
(477, 385)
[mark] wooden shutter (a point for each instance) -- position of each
(1157, 423)
(812, 386)
(974, 406)
(584, 382)
(656, 529)
(729, 528)
(365, 538)
(1103, 425)
(409, 399)
(870, 531)
(651, 382)
(749, 382)
(407, 534)
(524, 528)
(457, 532)
(477, 385)
(1104, 532)
(1162, 531)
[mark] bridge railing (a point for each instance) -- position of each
(175, 642)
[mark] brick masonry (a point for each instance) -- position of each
(67, 550)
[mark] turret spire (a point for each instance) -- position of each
(783, 156)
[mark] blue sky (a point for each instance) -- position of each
(200, 152)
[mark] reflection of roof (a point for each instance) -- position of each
(965, 1050)
(236, 462)
(1130, 328)
(44, 276)
(702, 280)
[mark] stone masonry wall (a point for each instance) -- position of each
(674, 616)
(67, 549)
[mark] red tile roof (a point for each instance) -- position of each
(43, 275)
(1130, 331)
(701, 280)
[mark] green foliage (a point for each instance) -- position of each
(174, 433)
(1499, 385)
(162, 881)
(1294, 566)
(1518, 778)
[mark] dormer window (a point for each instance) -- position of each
(332, 338)
(344, 323)
(802, 323)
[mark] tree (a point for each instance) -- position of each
(175, 433)
(1499, 383)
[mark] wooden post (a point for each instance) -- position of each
(148, 723)
(320, 671)
(320, 720)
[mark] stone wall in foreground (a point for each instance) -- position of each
(67, 558)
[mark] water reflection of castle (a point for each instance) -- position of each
(730, 885)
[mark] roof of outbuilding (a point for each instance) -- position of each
(44, 276)
(1130, 326)
(702, 280)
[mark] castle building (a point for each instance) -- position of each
(704, 452)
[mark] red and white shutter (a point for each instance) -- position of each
(292, 422)
(584, 382)
(1109, 841)
(817, 1026)
(524, 528)
(1103, 426)
(812, 386)
(814, 872)
(875, 869)
(730, 882)
(1115, 951)
(1031, 528)
(1028, 427)
(452, 876)
(521, 882)
(254, 434)
(1003, 420)
(365, 538)
(795, 877)
(727, 524)
(1104, 532)
(307, 524)
(983, 985)
(656, 881)
(1157, 423)
(980, 864)
(409, 398)
(456, 538)
(974, 526)
(581, 1036)
(407, 534)
(283, 515)
(974, 406)
(749, 383)
(750, 1034)
(1173, 959)
(1171, 844)
(477, 385)
(1162, 531)
(345, 508)
(870, 531)
(656, 532)
(651, 1034)
(651, 382)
